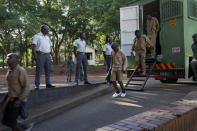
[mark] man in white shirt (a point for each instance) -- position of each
(107, 50)
(41, 49)
(79, 50)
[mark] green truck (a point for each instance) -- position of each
(178, 22)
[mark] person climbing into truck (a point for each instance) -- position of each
(194, 60)
(140, 43)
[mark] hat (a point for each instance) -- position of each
(45, 26)
(114, 45)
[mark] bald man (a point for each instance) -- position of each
(41, 49)
(18, 91)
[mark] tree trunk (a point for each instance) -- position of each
(32, 61)
(3, 60)
(27, 58)
(56, 57)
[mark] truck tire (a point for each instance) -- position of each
(169, 80)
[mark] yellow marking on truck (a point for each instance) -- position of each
(157, 66)
(187, 54)
(163, 66)
(169, 66)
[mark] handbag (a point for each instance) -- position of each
(23, 111)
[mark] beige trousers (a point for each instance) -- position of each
(153, 38)
(140, 59)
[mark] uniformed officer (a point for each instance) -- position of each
(79, 50)
(152, 30)
(140, 43)
(107, 50)
(41, 49)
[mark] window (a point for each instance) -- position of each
(89, 56)
(192, 9)
(171, 9)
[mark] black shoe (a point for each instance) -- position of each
(50, 86)
(86, 82)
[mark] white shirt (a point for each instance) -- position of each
(81, 45)
(107, 49)
(42, 42)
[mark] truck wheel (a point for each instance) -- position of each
(169, 80)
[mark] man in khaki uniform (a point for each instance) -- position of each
(118, 67)
(140, 43)
(152, 30)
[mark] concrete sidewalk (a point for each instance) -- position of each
(58, 81)
(50, 109)
(180, 115)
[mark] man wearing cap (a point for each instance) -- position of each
(152, 30)
(118, 67)
(18, 91)
(79, 51)
(194, 60)
(41, 49)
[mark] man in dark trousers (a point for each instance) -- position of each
(18, 91)
(79, 50)
(107, 50)
(41, 49)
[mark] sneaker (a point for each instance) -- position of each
(144, 73)
(116, 95)
(36, 87)
(108, 83)
(139, 70)
(76, 84)
(123, 94)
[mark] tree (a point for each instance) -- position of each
(21, 19)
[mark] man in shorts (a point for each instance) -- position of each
(118, 67)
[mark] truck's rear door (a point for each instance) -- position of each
(129, 22)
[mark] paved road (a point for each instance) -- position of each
(106, 110)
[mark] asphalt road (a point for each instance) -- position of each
(106, 110)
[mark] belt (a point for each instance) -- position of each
(82, 53)
(42, 53)
(108, 55)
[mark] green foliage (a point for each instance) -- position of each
(21, 19)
